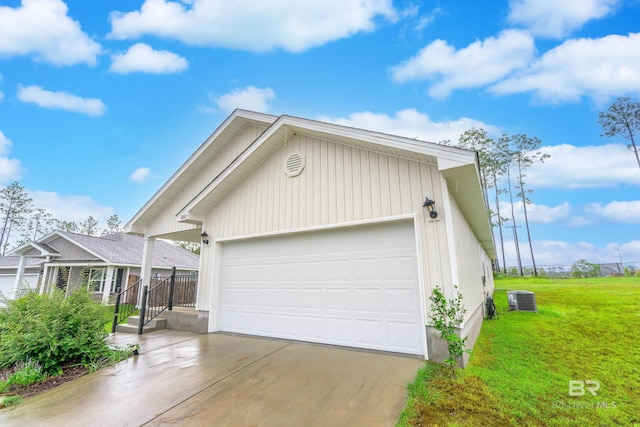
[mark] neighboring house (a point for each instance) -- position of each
(317, 232)
(67, 260)
(9, 269)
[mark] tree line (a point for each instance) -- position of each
(503, 165)
(504, 162)
(22, 222)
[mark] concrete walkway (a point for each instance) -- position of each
(224, 380)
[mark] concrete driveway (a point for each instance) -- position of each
(225, 380)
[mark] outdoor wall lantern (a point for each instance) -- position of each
(205, 238)
(429, 206)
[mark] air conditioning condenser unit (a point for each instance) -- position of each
(522, 301)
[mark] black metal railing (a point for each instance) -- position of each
(155, 300)
(126, 304)
(163, 293)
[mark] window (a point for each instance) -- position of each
(97, 278)
(95, 282)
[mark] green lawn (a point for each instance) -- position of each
(519, 373)
(107, 316)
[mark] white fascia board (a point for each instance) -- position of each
(32, 245)
(250, 115)
(37, 245)
(427, 148)
(233, 166)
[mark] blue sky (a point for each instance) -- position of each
(100, 102)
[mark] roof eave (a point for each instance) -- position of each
(135, 226)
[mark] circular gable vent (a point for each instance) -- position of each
(294, 164)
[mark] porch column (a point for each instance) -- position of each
(44, 283)
(107, 285)
(19, 276)
(147, 264)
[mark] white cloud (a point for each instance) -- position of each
(71, 207)
(480, 63)
(144, 59)
(621, 212)
(591, 166)
(411, 123)
(597, 68)
(556, 19)
(291, 25)
(43, 29)
(61, 101)
(10, 169)
(249, 98)
(561, 253)
(627, 212)
(141, 175)
(537, 214)
(1, 95)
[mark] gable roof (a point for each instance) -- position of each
(116, 249)
(458, 166)
(210, 148)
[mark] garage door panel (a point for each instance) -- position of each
(400, 332)
(312, 298)
(398, 268)
(351, 286)
(371, 333)
(314, 326)
(370, 300)
(341, 331)
(368, 268)
(339, 298)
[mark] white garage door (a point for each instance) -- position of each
(355, 286)
(7, 283)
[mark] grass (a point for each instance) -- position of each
(107, 316)
(519, 372)
(7, 401)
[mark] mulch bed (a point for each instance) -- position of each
(69, 373)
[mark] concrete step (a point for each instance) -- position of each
(132, 325)
(158, 322)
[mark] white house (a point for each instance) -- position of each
(317, 232)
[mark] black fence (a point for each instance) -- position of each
(163, 293)
(126, 304)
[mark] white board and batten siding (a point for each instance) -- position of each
(340, 185)
(468, 253)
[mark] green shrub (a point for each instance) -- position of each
(28, 372)
(10, 401)
(52, 330)
(446, 317)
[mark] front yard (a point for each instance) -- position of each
(585, 332)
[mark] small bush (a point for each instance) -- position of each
(10, 401)
(446, 317)
(52, 330)
(28, 372)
